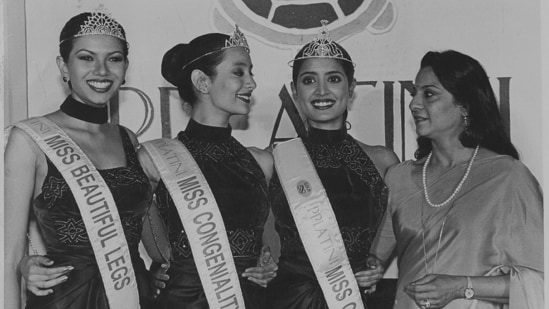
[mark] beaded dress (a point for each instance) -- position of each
(240, 190)
(67, 242)
(358, 197)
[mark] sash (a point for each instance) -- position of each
(96, 206)
(201, 219)
(317, 225)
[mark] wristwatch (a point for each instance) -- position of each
(469, 291)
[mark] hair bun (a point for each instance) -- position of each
(172, 62)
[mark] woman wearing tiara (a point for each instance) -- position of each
(351, 174)
(79, 176)
(213, 73)
(466, 217)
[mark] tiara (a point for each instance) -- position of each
(100, 22)
(322, 46)
(237, 39)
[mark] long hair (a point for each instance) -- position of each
(465, 78)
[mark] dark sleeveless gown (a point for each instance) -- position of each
(67, 241)
(358, 197)
(239, 187)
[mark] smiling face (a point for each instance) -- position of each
(231, 87)
(96, 68)
(323, 92)
(435, 111)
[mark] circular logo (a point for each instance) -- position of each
(294, 22)
(304, 188)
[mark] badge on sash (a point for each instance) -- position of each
(317, 225)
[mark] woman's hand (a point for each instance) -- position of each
(368, 278)
(265, 270)
(435, 291)
(39, 276)
(158, 277)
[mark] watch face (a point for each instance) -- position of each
(469, 293)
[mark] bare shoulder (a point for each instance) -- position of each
(265, 160)
(19, 144)
(148, 166)
(382, 156)
(261, 155)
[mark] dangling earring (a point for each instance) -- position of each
(123, 82)
(465, 121)
(348, 125)
(65, 79)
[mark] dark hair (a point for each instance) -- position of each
(465, 78)
(203, 53)
(72, 27)
(348, 66)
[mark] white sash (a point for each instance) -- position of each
(317, 225)
(201, 219)
(96, 206)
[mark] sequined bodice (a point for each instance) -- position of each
(237, 183)
(354, 187)
(59, 218)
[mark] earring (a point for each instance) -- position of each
(465, 121)
(348, 125)
(123, 82)
(65, 79)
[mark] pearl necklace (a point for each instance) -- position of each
(424, 176)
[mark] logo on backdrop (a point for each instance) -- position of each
(294, 22)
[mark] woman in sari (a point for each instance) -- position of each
(76, 271)
(466, 217)
(213, 73)
(350, 171)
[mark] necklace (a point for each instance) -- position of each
(436, 251)
(456, 190)
(85, 112)
(438, 242)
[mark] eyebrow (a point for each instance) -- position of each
(316, 73)
(426, 86)
(94, 53)
(242, 63)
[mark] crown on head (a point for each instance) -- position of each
(322, 46)
(237, 39)
(100, 22)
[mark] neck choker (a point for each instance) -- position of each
(85, 112)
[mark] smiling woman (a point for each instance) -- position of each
(216, 206)
(79, 177)
(350, 173)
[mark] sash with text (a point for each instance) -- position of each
(201, 220)
(317, 225)
(97, 207)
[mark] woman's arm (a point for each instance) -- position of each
(442, 289)
(154, 235)
(265, 161)
(382, 157)
(266, 268)
(20, 165)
